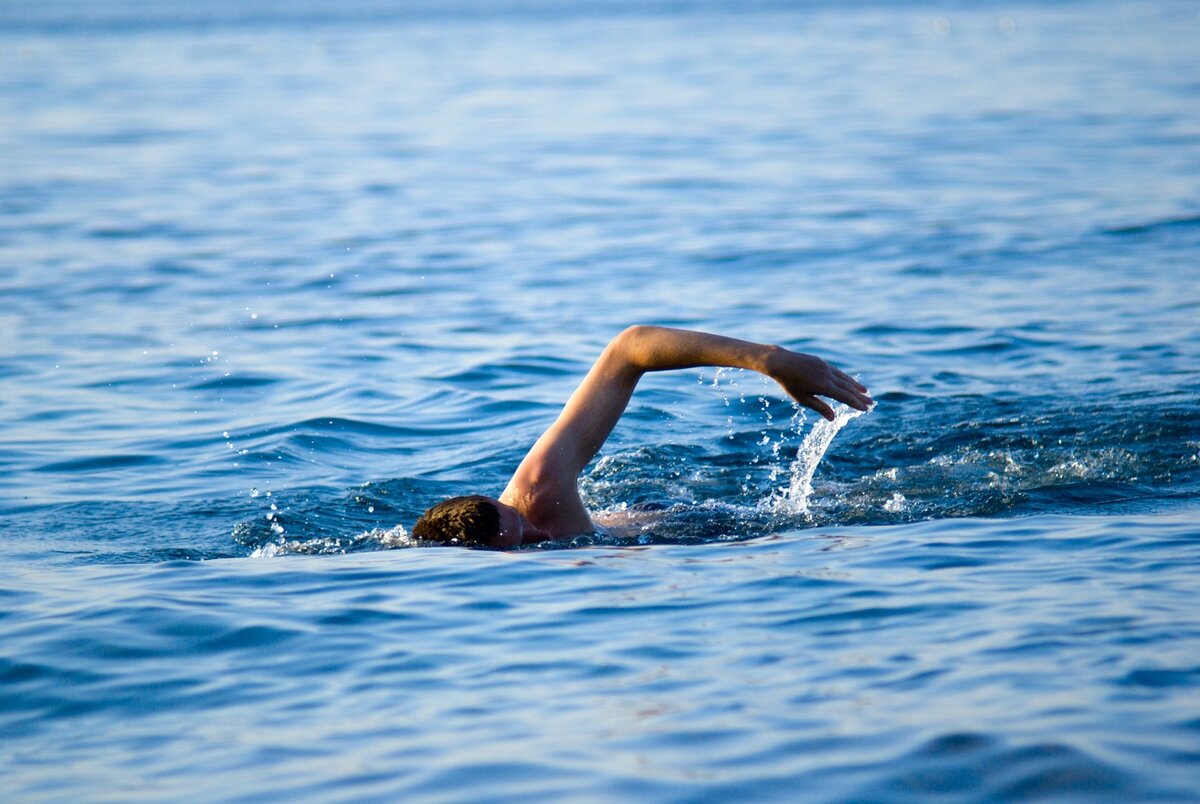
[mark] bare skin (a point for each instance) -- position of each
(542, 500)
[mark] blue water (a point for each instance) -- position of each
(277, 277)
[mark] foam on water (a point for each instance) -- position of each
(375, 539)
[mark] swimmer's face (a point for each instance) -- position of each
(515, 529)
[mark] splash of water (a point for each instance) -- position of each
(374, 539)
(794, 499)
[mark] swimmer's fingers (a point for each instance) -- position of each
(810, 401)
(850, 397)
(853, 383)
(849, 393)
(842, 378)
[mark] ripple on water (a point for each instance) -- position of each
(101, 463)
(981, 766)
(742, 667)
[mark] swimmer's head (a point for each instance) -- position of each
(473, 521)
(477, 521)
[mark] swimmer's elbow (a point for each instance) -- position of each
(627, 339)
(635, 331)
(630, 347)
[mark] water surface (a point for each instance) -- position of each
(275, 282)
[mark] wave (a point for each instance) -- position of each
(101, 463)
(1168, 223)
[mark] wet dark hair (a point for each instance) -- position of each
(472, 520)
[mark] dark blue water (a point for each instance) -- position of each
(276, 278)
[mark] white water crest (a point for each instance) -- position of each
(794, 498)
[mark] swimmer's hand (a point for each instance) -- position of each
(807, 377)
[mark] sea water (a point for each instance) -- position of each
(277, 277)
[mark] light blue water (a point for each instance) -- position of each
(276, 278)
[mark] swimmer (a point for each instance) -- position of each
(542, 500)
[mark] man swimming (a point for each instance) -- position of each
(542, 499)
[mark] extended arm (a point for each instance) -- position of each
(544, 483)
